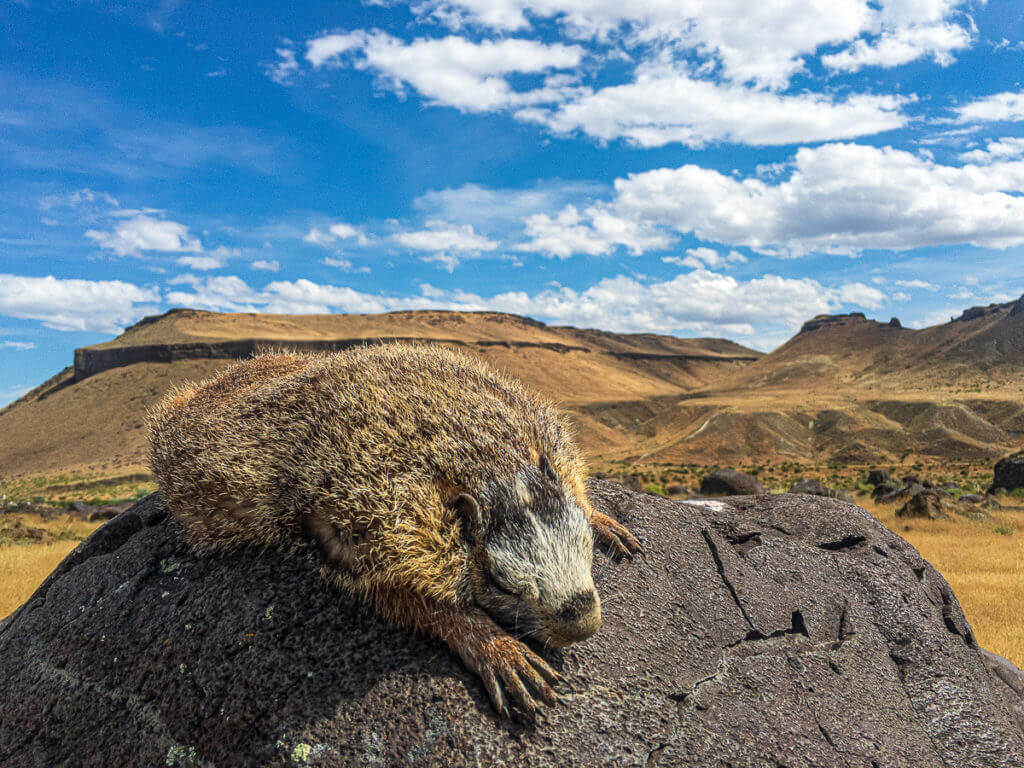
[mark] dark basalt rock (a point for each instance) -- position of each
(936, 505)
(1009, 473)
(878, 476)
(757, 631)
(887, 493)
(730, 482)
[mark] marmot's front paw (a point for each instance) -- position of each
(504, 662)
(614, 535)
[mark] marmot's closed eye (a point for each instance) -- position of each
(442, 492)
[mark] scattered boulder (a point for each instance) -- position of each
(911, 480)
(83, 510)
(817, 488)
(1009, 473)
(901, 492)
(107, 513)
(16, 530)
(757, 631)
(878, 476)
(935, 505)
(677, 490)
(882, 489)
(729, 482)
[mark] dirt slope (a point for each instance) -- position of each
(852, 390)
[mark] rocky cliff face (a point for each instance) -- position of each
(758, 631)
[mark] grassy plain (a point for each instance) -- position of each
(24, 563)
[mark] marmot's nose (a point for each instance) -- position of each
(577, 606)
(577, 619)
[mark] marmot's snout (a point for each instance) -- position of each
(577, 619)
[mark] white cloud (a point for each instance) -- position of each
(143, 232)
(344, 265)
(446, 261)
(444, 236)
(337, 231)
(215, 259)
(901, 45)
(595, 232)
(861, 295)
(762, 43)
(282, 70)
(20, 346)
(916, 284)
(700, 258)
(266, 266)
(666, 105)
(75, 305)
(202, 263)
(839, 198)
(1002, 149)
(452, 71)
(999, 107)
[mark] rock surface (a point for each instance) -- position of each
(757, 631)
(1009, 473)
(730, 482)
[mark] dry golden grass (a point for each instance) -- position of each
(983, 561)
(23, 566)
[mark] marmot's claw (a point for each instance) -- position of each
(615, 536)
(517, 667)
(494, 691)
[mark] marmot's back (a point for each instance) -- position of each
(377, 431)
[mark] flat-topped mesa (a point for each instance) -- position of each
(834, 321)
(191, 334)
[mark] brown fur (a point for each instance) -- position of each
(364, 452)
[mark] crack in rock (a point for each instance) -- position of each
(725, 579)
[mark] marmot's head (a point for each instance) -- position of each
(531, 548)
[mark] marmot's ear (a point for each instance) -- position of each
(469, 511)
(547, 469)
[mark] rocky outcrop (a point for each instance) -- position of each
(767, 631)
(937, 505)
(92, 360)
(1009, 473)
(729, 482)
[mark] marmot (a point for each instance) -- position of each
(442, 492)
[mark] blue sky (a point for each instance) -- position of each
(679, 166)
